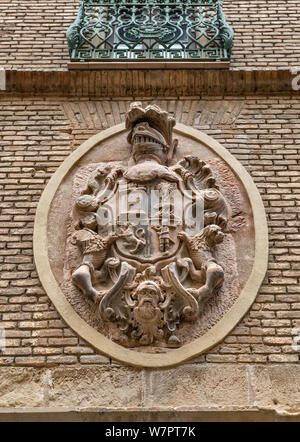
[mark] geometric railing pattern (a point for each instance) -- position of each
(149, 30)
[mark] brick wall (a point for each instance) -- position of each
(36, 135)
(44, 362)
(32, 33)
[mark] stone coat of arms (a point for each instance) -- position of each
(151, 240)
(145, 236)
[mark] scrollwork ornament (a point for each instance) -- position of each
(158, 268)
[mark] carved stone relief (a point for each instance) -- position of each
(156, 237)
(147, 274)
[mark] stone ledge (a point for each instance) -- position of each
(163, 83)
(149, 65)
(143, 415)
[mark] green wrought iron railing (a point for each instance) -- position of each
(149, 30)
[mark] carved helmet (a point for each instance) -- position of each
(158, 119)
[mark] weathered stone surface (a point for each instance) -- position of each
(158, 279)
(200, 386)
(100, 386)
(21, 387)
(277, 386)
(186, 388)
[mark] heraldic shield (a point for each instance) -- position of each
(158, 241)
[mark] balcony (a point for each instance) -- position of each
(150, 31)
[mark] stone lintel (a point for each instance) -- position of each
(117, 393)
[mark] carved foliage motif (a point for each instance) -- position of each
(151, 266)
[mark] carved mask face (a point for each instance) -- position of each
(148, 143)
(148, 292)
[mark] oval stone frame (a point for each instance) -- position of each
(200, 345)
